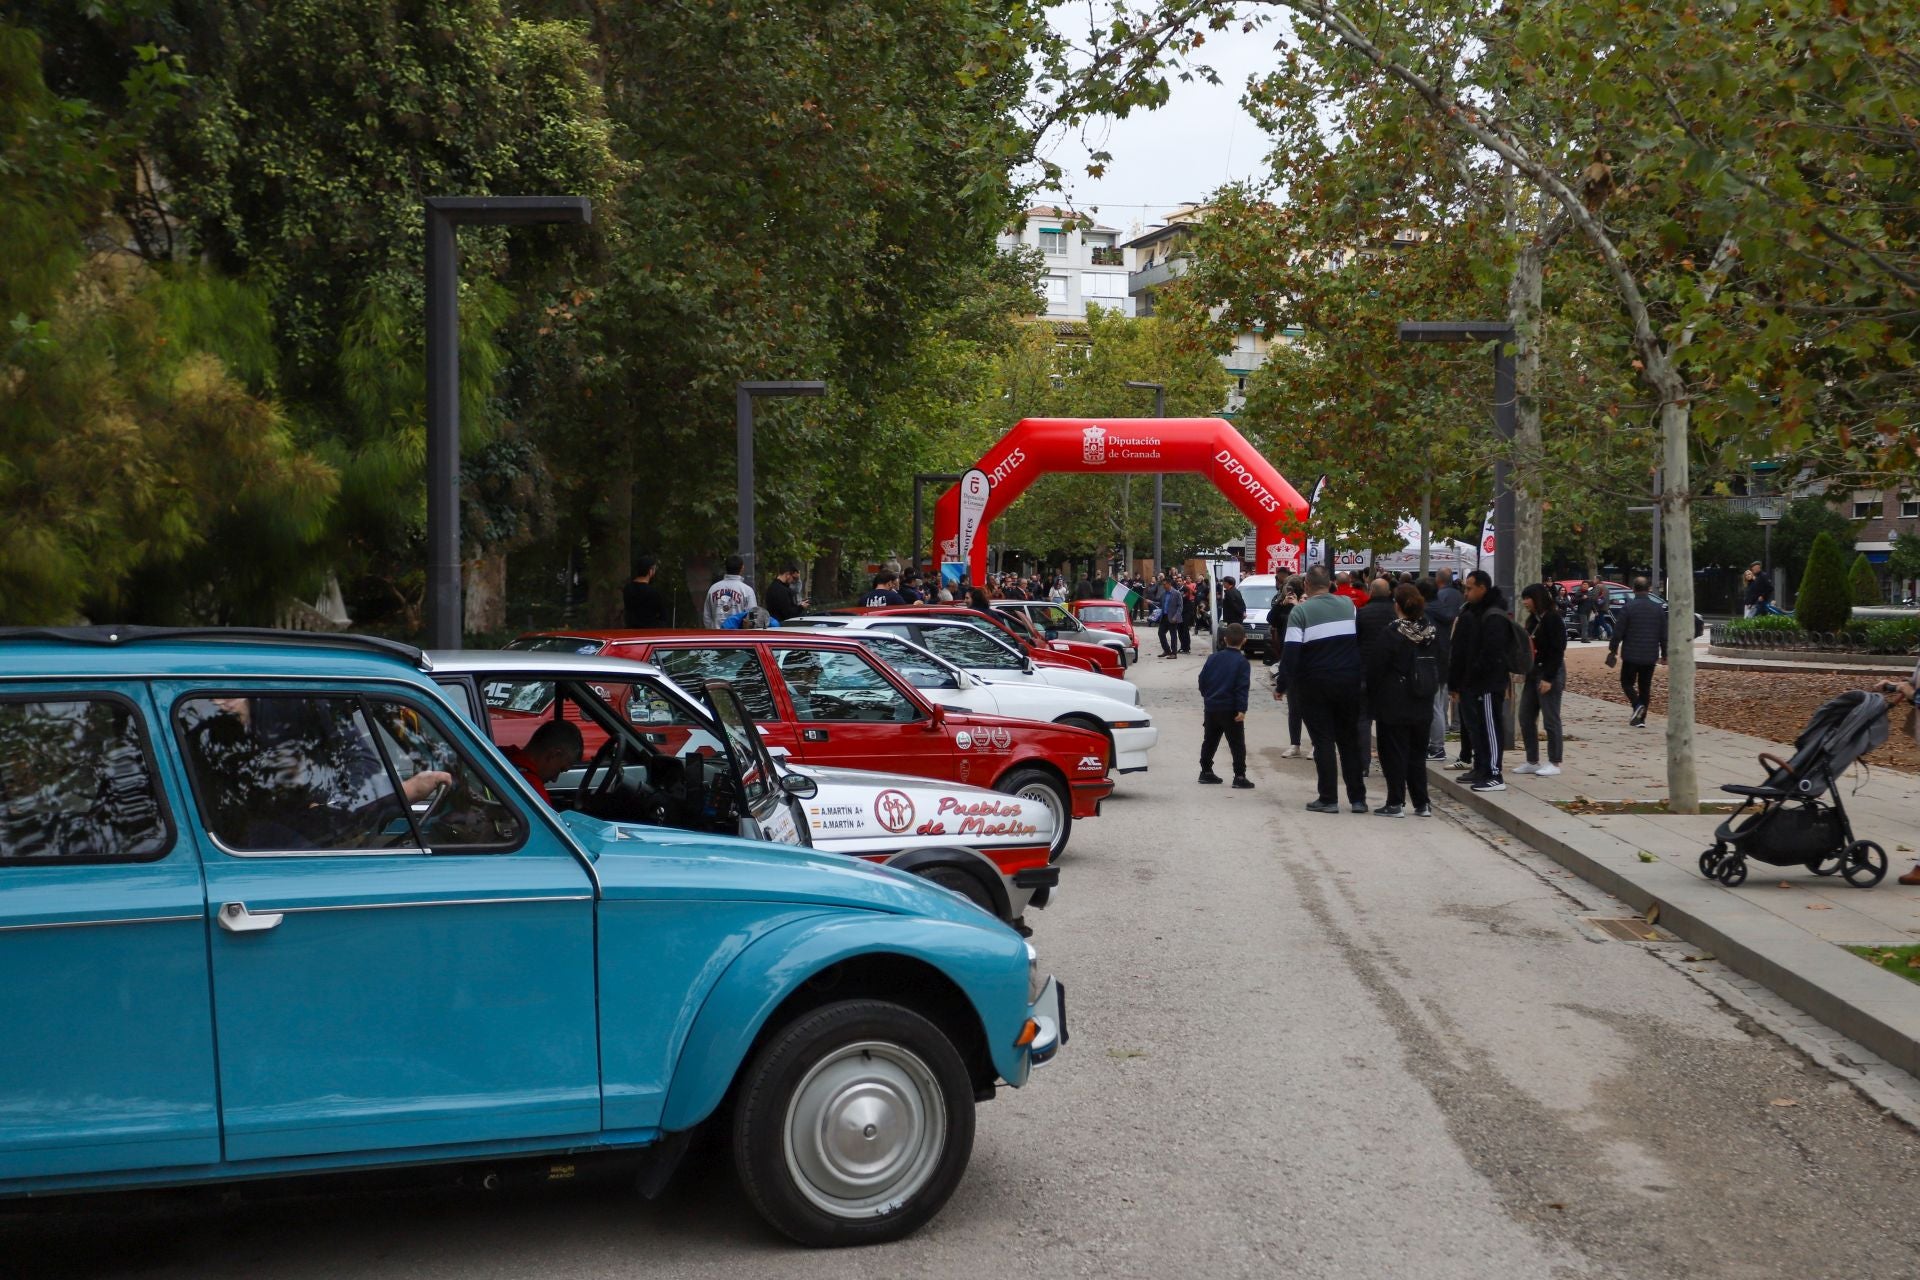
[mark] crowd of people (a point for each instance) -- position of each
(1380, 668)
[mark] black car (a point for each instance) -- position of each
(1617, 598)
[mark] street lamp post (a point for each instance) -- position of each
(443, 214)
(743, 396)
(1159, 390)
(1503, 424)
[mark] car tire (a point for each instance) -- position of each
(967, 886)
(853, 1124)
(1038, 784)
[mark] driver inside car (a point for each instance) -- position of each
(554, 748)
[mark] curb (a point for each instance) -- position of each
(1867, 1004)
(1801, 660)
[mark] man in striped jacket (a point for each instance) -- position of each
(1320, 666)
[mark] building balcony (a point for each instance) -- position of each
(1107, 256)
(1156, 274)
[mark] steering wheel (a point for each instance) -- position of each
(435, 802)
(590, 793)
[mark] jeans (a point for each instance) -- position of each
(1218, 724)
(1636, 681)
(1480, 717)
(1437, 726)
(1536, 706)
(1403, 761)
(1333, 722)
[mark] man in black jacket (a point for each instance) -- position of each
(1639, 639)
(1370, 624)
(1478, 677)
(1233, 606)
(783, 594)
(640, 602)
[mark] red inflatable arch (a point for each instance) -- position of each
(1209, 446)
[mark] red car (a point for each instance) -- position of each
(829, 701)
(1107, 615)
(1020, 634)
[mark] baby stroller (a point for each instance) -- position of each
(1796, 824)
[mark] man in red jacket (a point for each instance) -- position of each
(554, 748)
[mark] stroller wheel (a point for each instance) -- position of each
(1828, 865)
(1732, 871)
(1866, 864)
(1709, 860)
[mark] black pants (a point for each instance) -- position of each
(1169, 636)
(1403, 760)
(1219, 724)
(1333, 722)
(1636, 681)
(1186, 637)
(1481, 717)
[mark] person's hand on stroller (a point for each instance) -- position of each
(1896, 691)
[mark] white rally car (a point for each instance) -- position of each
(1129, 730)
(656, 754)
(980, 651)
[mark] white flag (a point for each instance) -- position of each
(1486, 539)
(973, 508)
(1316, 547)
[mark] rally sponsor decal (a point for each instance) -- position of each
(1002, 738)
(1092, 762)
(835, 817)
(963, 740)
(894, 810)
(994, 817)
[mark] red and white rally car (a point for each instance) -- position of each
(828, 701)
(666, 756)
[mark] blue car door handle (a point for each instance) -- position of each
(235, 918)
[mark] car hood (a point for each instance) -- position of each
(659, 864)
(1120, 691)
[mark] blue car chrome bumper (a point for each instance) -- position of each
(1050, 1012)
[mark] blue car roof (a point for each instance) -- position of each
(110, 652)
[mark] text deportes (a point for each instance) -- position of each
(1248, 481)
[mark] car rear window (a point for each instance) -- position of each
(1103, 613)
(77, 783)
(739, 667)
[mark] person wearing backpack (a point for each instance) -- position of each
(1484, 654)
(1540, 691)
(1403, 673)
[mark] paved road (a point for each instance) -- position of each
(1303, 1046)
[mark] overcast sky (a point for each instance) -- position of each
(1180, 153)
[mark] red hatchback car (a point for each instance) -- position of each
(1107, 615)
(1019, 633)
(830, 701)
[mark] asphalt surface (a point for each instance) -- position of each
(1303, 1046)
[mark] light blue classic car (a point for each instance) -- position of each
(269, 906)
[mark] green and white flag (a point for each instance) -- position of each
(1118, 590)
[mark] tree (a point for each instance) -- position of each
(1804, 520)
(1904, 563)
(1863, 583)
(1825, 601)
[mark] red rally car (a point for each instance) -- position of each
(1018, 632)
(1106, 615)
(829, 701)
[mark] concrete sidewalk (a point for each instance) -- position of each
(1785, 927)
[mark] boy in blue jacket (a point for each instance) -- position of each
(1223, 688)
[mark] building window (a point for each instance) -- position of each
(1104, 287)
(1056, 293)
(1865, 510)
(1909, 507)
(1053, 242)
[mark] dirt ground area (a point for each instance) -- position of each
(1767, 704)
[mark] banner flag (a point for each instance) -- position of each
(973, 507)
(1486, 538)
(1316, 547)
(1114, 589)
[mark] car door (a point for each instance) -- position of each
(850, 713)
(402, 949)
(692, 665)
(106, 1026)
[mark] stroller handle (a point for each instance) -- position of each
(1772, 761)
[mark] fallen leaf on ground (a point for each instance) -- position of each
(1647, 857)
(1126, 1053)
(1784, 1102)
(1691, 959)
(1786, 884)
(1653, 914)
(1819, 906)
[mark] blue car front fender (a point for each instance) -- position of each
(987, 964)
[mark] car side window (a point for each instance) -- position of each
(739, 667)
(965, 647)
(920, 671)
(828, 684)
(77, 783)
(336, 773)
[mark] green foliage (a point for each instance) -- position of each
(1904, 563)
(1765, 624)
(1804, 520)
(1863, 583)
(1824, 601)
(1726, 537)
(1892, 635)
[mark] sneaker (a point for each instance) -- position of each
(1547, 770)
(1423, 811)
(1440, 754)
(1459, 765)
(1322, 806)
(1527, 766)
(1242, 783)
(1390, 811)
(1639, 718)
(1358, 806)
(1490, 784)
(1290, 752)
(1211, 778)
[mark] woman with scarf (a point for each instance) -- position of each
(1403, 670)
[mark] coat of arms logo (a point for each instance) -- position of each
(1093, 446)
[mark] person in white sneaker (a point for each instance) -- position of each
(1540, 691)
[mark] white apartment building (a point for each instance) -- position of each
(1084, 263)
